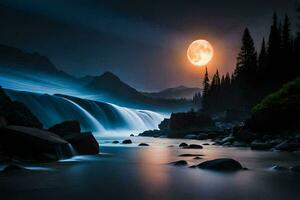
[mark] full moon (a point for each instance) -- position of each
(200, 52)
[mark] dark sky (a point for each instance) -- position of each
(142, 41)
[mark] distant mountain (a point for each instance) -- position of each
(121, 93)
(112, 85)
(12, 58)
(175, 93)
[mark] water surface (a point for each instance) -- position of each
(132, 172)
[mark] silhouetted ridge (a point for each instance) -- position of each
(109, 82)
(174, 93)
(15, 57)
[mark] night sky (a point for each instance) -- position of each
(144, 42)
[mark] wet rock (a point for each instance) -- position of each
(33, 144)
(191, 137)
(13, 168)
(180, 163)
(116, 142)
(288, 146)
(239, 144)
(143, 144)
(203, 136)
(227, 140)
(183, 145)
(193, 146)
(197, 158)
(206, 144)
(295, 169)
(260, 146)
(131, 135)
(279, 168)
(222, 164)
(151, 133)
(84, 143)
(65, 128)
(127, 142)
(16, 113)
(189, 155)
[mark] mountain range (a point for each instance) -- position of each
(107, 84)
(180, 92)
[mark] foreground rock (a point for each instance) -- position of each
(222, 164)
(33, 144)
(189, 155)
(127, 142)
(13, 168)
(65, 128)
(295, 169)
(183, 144)
(288, 146)
(193, 146)
(83, 143)
(260, 146)
(16, 113)
(143, 144)
(179, 163)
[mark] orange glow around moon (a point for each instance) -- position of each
(200, 52)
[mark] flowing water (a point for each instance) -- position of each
(98, 117)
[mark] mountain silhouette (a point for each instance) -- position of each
(180, 92)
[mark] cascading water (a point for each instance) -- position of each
(95, 116)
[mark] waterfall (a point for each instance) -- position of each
(93, 116)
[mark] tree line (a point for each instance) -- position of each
(256, 74)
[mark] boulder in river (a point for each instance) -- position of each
(295, 169)
(67, 127)
(279, 168)
(222, 164)
(13, 168)
(183, 144)
(191, 137)
(256, 145)
(143, 144)
(127, 142)
(116, 142)
(189, 155)
(16, 113)
(180, 163)
(288, 146)
(33, 144)
(193, 146)
(83, 143)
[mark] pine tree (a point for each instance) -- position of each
(206, 87)
(246, 66)
(287, 52)
(273, 68)
(262, 58)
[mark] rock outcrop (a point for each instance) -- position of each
(33, 144)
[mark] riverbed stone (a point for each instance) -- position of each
(183, 144)
(193, 146)
(222, 164)
(34, 144)
(84, 143)
(127, 142)
(143, 144)
(179, 163)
